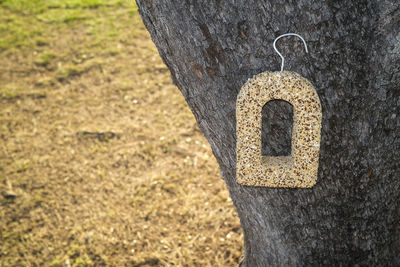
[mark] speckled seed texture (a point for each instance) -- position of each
(300, 169)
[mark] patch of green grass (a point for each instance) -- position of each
(84, 3)
(40, 6)
(17, 31)
(112, 32)
(28, 23)
(67, 72)
(7, 93)
(93, 3)
(45, 58)
(10, 91)
(133, 12)
(82, 261)
(25, 6)
(103, 31)
(62, 16)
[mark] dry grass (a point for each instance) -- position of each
(101, 162)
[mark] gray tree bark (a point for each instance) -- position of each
(351, 216)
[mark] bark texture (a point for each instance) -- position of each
(351, 216)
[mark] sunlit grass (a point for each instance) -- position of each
(101, 161)
(29, 23)
(41, 6)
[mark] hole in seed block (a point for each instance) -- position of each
(277, 124)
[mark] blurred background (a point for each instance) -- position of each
(101, 161)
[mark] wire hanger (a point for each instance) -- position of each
(283, 35)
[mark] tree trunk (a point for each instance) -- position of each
(351, 216)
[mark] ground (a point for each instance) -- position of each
(101, 161)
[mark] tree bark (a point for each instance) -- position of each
(351, 216)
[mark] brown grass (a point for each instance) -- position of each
(101, 161)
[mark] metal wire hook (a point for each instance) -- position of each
(283, 35)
